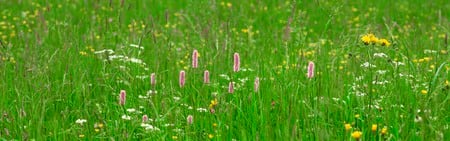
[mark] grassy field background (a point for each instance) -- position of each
(64, 63)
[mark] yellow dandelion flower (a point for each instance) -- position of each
(384, 42)
(214, 124)
(446, 82)
(81, 135)
(424, 92)
(365, 39)
(357, 135)
(97, 130)
(374, 127)
(347, 127)
(369, 39)
(357, 116)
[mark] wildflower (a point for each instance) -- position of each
(384, 131)
(357, 116)
(206, 77)
(80, 121)
(122, 97)
(81, 135)
(190, 119)
(131, 110)
(144, 118)
(126, 117)
(424, 92)
(199, 109)
(195, 59)
(357, 135)
(153, 79)
(97, 130)
(182, 78)
(214, 124)
(230, 87)
(236, 62)
(98, 125)
(369, 39)
(149, 127)
(311, 70)
(174, 137)
(381, 55)
(347, 127)
(210, 136)
(229, 5)
(213, 103)
(384, 42)
(83, 53)
(256, 87)
(374, 127)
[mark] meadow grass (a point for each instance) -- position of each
(64, 64)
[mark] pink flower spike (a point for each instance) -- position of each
(256, 84)
(144, 118)
(153, 79)
(311, 70)
(190, 119)
(195, 59)
(182, 77)
(206, 77)
(237, 62)
(122, 97)
(231, 88)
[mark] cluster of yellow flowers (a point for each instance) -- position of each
(372, 39)
(357, 134)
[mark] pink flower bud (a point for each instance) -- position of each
(122, 97)
(256, 84)
(182, 77)
(212, 110)
(237, 62)
(231, 88)
(153, 79)
(144, 118)
(206, 77)
(311, 70)
(195, 59)
(190, 119)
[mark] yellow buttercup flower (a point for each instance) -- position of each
(210, 136)
(424, 92)
(347, 127)
(384, 131)
(357, 135)
(374, 127)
